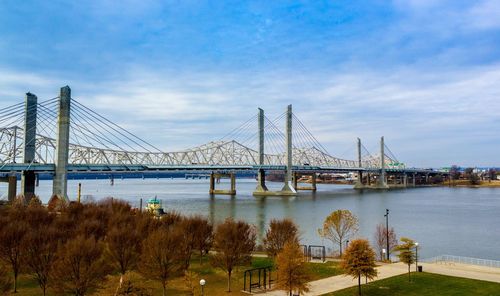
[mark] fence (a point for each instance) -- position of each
(450, 259)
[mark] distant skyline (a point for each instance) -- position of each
(424, 74)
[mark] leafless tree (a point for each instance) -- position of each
(233, 243)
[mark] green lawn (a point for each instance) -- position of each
(216, 279)
(424, 284)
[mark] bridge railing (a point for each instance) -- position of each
(450, 259)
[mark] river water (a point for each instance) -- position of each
(455, 221)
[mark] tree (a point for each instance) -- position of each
(359, 261)
(292, 272)
(80, 266)
(406, 253)
(162, 255)
(492, 174)
(11, 239)
(198, 234)
(381, 240)
(339, 226)
(233, 243)
(40, 248)
(455, 172)
(123, 246)
(279, 233)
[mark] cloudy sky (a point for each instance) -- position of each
(425, 74)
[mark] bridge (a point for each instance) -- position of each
(62, 135)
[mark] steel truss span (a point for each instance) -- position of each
(216, 153)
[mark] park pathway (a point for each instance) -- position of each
(340, 282)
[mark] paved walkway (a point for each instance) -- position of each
(340, 282)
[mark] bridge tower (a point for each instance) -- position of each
(261, 175)
(60, 183)
(288, 187)
(359, 181)
(28, 178)
(382, 183)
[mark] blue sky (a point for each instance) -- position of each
(425, 74)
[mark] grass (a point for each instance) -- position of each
(216, 279)
(424, 284)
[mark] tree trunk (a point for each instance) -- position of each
(201, 257)
(340, 248)
(409, 278)
(359, 284)
(229, 281)
(15, 281)
(164, 288)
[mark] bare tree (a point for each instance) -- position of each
(80, 266)
(279, 233)
(198, 235)
(292, 272)
(40, 247)
(359, 261)
(163, 255)
(233, 243)
(339, 226)
(11, 239)
(381, 240)
(123, 246)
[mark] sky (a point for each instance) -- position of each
(424, 74)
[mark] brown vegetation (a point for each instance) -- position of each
(279, 233)
(359, 261)
(339, 226)
(292, 272)
(233, 243)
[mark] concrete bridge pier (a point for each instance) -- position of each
(296, 186)
(12, 186)
(214, 176)
(261, 182)
(60, 182)
(28, 178)
(405, 180)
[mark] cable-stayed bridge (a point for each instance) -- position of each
(62, 135)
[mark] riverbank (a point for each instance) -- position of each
(466, 183)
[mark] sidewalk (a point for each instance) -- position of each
(490, 274)
(340, 282)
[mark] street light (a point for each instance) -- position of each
(202, 284)
(387, 231)
(346, 244)
(416, 256)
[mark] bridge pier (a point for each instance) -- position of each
(261, 188)
(312, 188)
(28, 178)
(12, 186)
(214, 176)
(60, 182)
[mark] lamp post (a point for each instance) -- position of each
(416, 257)
(346, 244)
(383, 254)
(202, 284)
(387, 231)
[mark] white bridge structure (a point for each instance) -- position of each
(61, 135)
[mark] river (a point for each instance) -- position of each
(455, 221)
